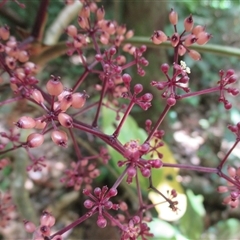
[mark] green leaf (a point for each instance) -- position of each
(189, 228)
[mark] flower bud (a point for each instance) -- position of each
(175, 39)
(54, 86)
(4, 32)
(173, 17)
(37, 96)
(203, 38)
(100, 13)
(78, 100)
(66, 102)
(181, 50)
(198, 29)
(23, 56)
(171, 101)
(129, 34)
(85, 11)
(35, 140)
(65, 120)
(82, 22)
(138, 88)
(188, 23)
(26, 122)
(59, 137)
(158, 37)
(101, 222)
(29, 226)
(191, 39)
(194, 55)
(47, 219)
(71, 31)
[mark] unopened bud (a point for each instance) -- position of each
(188, 23)
(71, 31)
(158, 37)
(100, 13)
(66, 102)
(194, 55)
(35, 140)
(37, 96)
(203, 38)
(65, 120)
(26, 122)
(78, 100)
(59, 137)
(54, 86)
(173, 17)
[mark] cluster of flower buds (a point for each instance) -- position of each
(133, 153)
(64, 100)
(79, 174)
(227, 79)
(100, 202)
(6, 209)
(143, 101)
(91, 20)
(9, 46)
(234, 189)
(23, 79)
(178, 80)
(183, 41)
(43, 231)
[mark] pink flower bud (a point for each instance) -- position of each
(47, 219)
(23, 56)
(203, 38)
(158, 37)
(129, 34)
(101, 222)
(66, 102)
(171, 101)
(59, 137)
(82, 22)
(191, 39)
(26, 122)
(198, 29)
(231, 171)
(100, 13)
(138, 88)
(37, 96)
(181, 50)
(4, 32)
(29, 226)
(71, 31)
(175, 39)
(188, 23)
(65, 120)
(35, 140)
(78, 100)
(194, 55)
(173, 17)
(54, 86)
(85, 11)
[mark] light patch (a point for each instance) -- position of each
(163, 209)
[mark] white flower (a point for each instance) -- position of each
(184, 67)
